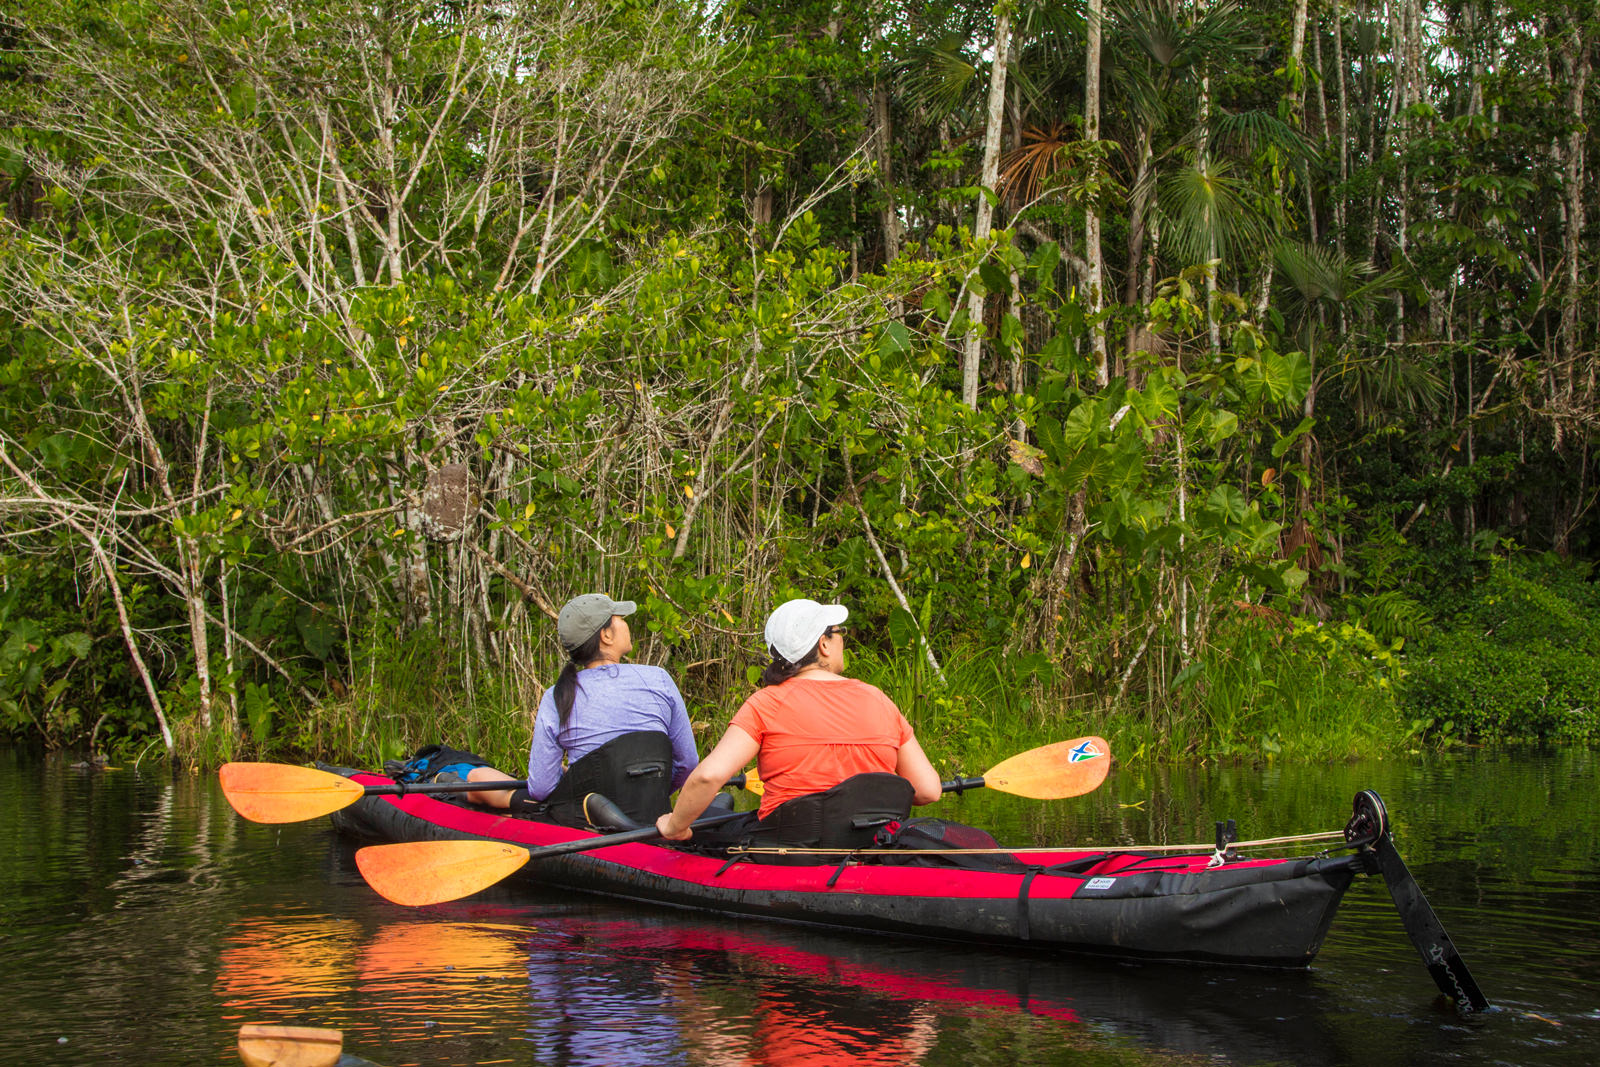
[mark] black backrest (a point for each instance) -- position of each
(632, 770)
(846, 816)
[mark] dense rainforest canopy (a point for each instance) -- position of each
(1226, 367)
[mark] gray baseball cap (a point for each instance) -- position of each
(582, 617)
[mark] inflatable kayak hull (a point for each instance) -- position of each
(1267, 912)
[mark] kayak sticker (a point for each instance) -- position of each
(1100, 883)
(1085, 751)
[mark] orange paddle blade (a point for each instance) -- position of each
(1065, 769)
(289, 1046)
(276, 792)
(753, 782)
(415, 873)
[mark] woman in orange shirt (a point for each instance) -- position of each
(808, 727)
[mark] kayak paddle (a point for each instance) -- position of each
(278, 792)
(1049, 772)
(414, 873)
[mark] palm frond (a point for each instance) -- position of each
(1255, 129)
(1318, 273)
(1209, 213)
(1388, 380)
(936, 78)
(1025, 170)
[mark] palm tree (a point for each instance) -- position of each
(1319, 283)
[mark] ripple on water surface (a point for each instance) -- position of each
(150, 922)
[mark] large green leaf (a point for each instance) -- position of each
(1228, 503)
(1081, 425)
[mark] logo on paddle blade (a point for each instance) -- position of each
(1082, 752)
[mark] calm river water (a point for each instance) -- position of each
(143, 922)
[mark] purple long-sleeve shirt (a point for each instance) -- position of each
(610, 701)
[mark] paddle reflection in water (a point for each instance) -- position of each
(413, 981)
(271, 963)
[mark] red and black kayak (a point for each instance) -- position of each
(1212, 907)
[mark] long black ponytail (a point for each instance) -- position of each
(567, 681)
(781, 670)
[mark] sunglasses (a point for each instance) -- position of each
(836, 630)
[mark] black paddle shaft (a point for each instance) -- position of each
(644, 833)
(401, 789)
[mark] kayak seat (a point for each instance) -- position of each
(847, 816)
(632, 771)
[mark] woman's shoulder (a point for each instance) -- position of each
(830, 687)
(858, 686)
(866, 691)
(644, 676)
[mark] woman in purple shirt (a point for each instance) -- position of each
(598, 698)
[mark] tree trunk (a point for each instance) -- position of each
(1139, 210)
(883, 141)
(1575, 66)
(1203, 161)
(1339, 217)
(973, 349)
(1091, 221)
(1296, 79)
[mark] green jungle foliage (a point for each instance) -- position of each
(1516, 659)
(340, 344)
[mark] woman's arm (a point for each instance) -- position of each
(736, 749)
(544, 755)
(681, 733)
(912, 764)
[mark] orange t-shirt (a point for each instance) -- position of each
(815, 733)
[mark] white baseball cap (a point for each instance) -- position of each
(795, 626)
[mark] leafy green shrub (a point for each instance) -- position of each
(1296, 688)
(1516, 662)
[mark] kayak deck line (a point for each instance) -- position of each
(1265, 842)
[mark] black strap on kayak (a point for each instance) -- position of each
(1022, 902)
(1152, 863)
(737, 857)
(1081, 866)
(843, 863)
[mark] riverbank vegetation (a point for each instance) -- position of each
(1216, 376)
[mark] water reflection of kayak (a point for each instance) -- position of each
(1198, 907)
(847, 986)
